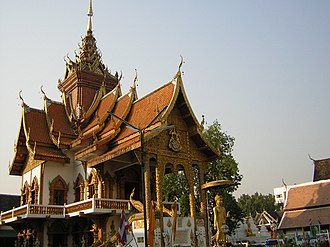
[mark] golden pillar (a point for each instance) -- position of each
(147, 189)
(160, 171)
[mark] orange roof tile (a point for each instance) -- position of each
(306, 217)
(121, 109)
(307, 196)
(36, 126)
(37, 132)
(151, 110)
(107, 103)
(145, 110)
(58, 120)
(112, 127)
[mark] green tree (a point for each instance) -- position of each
(257, 203)
(226, 168)
(175, 188)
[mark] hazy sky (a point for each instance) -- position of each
(260, 67)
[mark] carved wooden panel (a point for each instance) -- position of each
(31, 163)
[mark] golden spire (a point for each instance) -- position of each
(89, 14)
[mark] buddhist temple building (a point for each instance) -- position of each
(306, 216)
(99, 154)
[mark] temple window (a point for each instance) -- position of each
(25, 194)
(93, 185)
(58, 197)
(79, 189)
(58, 191)
(34, 191)
(91, 191)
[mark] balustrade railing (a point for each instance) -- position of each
(93, 205)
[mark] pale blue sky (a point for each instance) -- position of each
(260, 67)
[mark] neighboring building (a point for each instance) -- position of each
(251, 232)
(79, 163)
(321, 169)
(307, 212)
(256, 230)
(8, 202)
(8, 235)
(280, 194)
(266, 219)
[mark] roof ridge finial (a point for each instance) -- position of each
(181, 62)
(43, 92)
(133, 87)
(21, 98)
(135, 78)
(178, 74)
(89, 14)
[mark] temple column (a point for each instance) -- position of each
(160, 170)
(159, 183)
(201, 175)
(147, 185)
(204, 201)
(190, 179)
(189, 176)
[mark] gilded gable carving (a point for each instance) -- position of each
(31, 164)
(175, 143)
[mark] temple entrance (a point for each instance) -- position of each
(130, 178)
(58, 240)
(57, 234)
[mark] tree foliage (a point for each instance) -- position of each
(225, 167)
(175, 188)
(257, 203)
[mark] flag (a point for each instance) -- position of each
(122, 229)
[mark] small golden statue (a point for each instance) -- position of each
(220, 217)
(95, 231)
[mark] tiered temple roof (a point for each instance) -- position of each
(81, 122)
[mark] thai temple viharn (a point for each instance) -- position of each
(99, 156)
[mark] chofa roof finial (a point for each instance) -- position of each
(181, 62)
(42, 91)
(135, 78)
(178, 74)
(20, 96)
